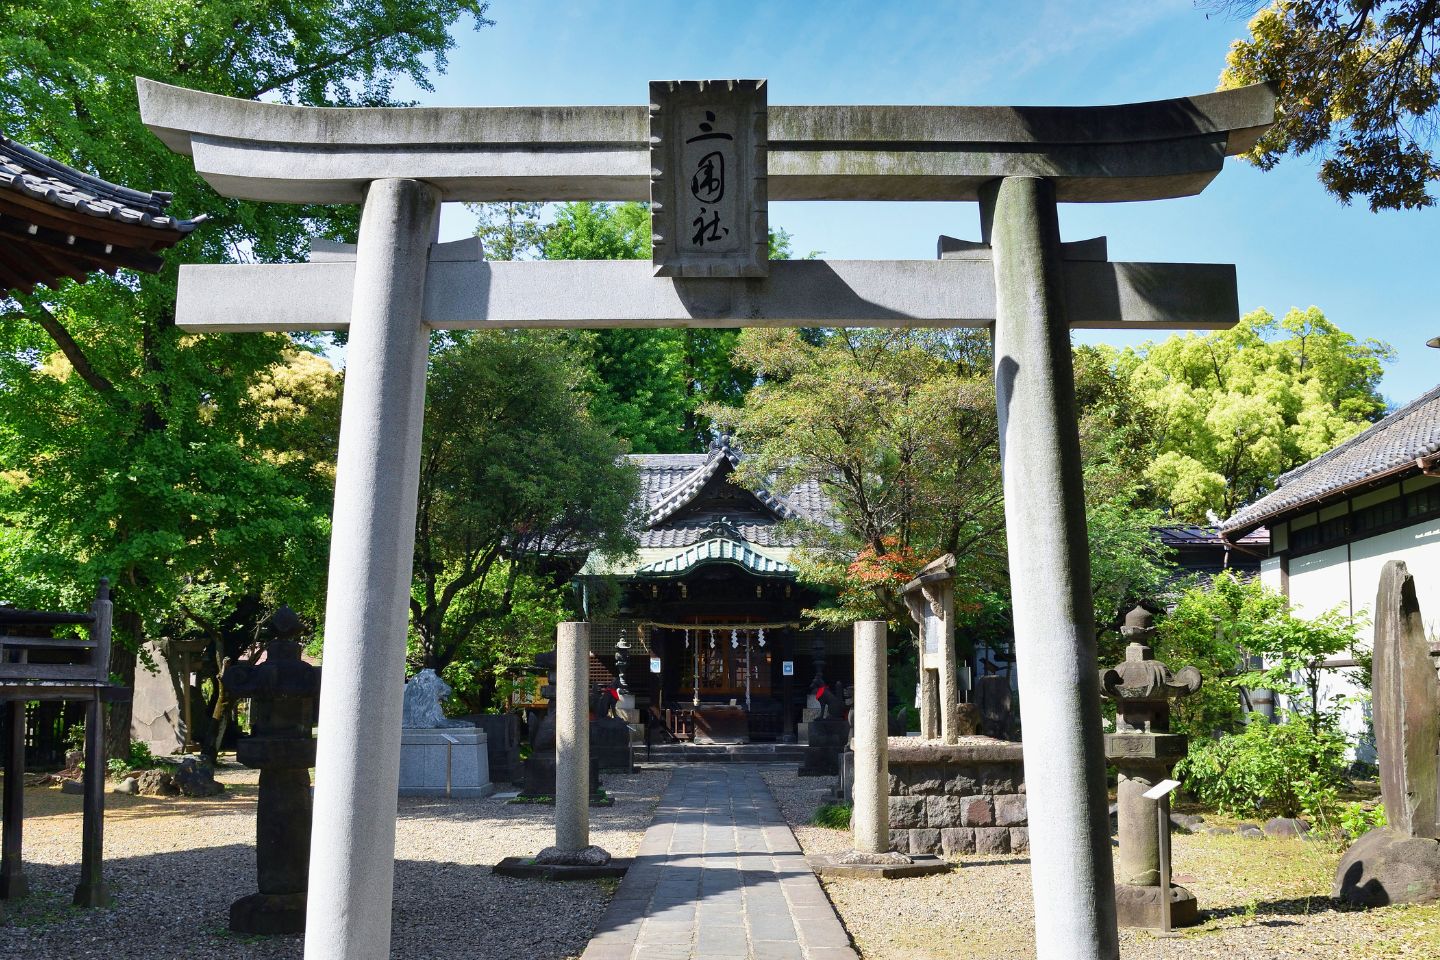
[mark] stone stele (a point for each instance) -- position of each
(1400, 863)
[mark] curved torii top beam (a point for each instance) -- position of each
(1138, 151)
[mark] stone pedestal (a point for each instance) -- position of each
(425, 751)
(539, 777)
(611, 745)
(955, 799)
(502, 741)
(825, 740)
(1137, 906)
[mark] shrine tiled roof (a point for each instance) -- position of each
(56, 221)
(1389, 447)
(670, 482)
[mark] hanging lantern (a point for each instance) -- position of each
(734, 640)
(712, 639)
(687, 639)
(762, 638)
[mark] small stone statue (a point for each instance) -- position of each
(282, 692)
(424, 694)
(1144, 751)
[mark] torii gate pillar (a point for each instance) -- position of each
(372, 546)
(1070, 864)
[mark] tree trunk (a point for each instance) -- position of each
(122, 665)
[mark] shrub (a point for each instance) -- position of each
(834, 816)
(1286, 769)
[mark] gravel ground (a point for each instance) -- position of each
(175, 866)
(1261, 900)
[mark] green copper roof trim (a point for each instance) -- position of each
(716, 550)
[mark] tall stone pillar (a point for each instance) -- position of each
(1050, 577)
(872, 781)
(571, 708)
(357, 769)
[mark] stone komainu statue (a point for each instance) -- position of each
(424, 694)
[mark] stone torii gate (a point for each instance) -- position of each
(401, 163)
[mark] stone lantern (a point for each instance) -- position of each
(1144, 751)
(283, 690)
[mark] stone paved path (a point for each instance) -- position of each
(719, 876)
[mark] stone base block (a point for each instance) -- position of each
(827, 739)
(610, 745)
(540, 776)
(1140, 907)
(529, 868)
(1386, 866)
(268, 914)
(92, 895)
(846, 865)
(424, 753)
(591, 856)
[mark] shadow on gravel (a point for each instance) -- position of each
(1294, 906)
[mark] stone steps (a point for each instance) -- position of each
(722, 753)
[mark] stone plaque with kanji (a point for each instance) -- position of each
(707, 178)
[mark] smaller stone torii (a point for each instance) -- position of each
(930, 598)
(708, 155)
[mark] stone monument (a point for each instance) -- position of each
(1144, 751)
(1400, 863)
(540, 768)
(439, 756)
(930, 598)
(283, 690)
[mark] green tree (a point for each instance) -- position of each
(515, 479)
(1359, 82)
(139, 455)
(898, 428)
(1233, 410)
(648, 385)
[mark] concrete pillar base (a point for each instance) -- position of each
(591, 856)
(884, 866)
(1140, 906)
(268, 914)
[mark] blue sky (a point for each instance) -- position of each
(1375, 275)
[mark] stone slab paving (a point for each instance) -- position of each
(719, 876)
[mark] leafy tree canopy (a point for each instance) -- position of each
(649, 386)
(1234, 409)
(130, 448)
(1359, 82)
(515, 475)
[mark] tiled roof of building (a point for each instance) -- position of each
(1390, 446)
(1187, 536)
(670, 481)
(56, 221)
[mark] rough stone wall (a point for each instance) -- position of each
(957, 799)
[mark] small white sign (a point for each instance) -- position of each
(787, 668)
(654, 664)
(1161, 790)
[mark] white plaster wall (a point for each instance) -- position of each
(1270, 573)
(1349, 576)
(1419, 547)
(1319, 582)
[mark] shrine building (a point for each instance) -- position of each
(709, 606)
